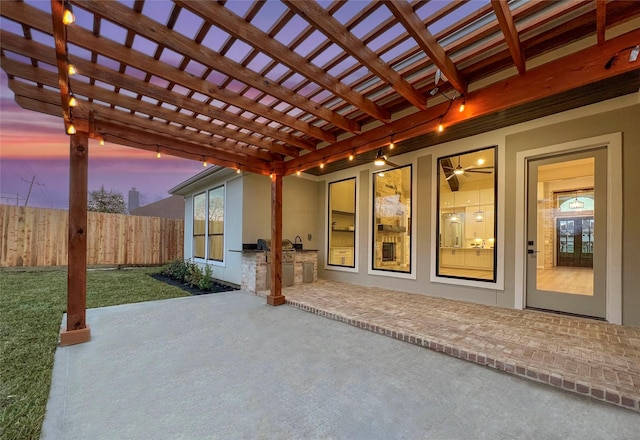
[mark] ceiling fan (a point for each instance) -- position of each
(381, 160)
(460, 170)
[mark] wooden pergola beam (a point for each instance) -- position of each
(340, 35)
(179, 43)
(62, 62)
(403, 11)
(581, 68)
(223, 18)
(508, 26)
(601, 20)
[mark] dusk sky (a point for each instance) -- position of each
(34, 144)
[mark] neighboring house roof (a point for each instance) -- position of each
(171, 207)
(193, 182)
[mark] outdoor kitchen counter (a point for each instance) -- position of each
(256, 270)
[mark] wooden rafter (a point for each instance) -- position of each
(341, 36)
(580, 68)
(601, 20)
(62, 63)
(234, 25)
(508, 26)
(148, 28)
(416, 28)
(281, 104)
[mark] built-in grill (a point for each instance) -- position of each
(288, 259)
(288, 250)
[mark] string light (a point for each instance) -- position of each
(391, 144)
(464, 101)
(351, 157)
(440, 127)
(298, 173)
(71, 69)
(67, 16)
(204, 162)
(158, 155)
(72, 101)
(71, 129)
(101, 141)
(237, 170)
(321, 165)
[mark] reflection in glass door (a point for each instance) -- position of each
(566, 205)
(575, 242)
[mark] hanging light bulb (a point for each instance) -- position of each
(72, 101)
(298, 173)
(379, 160)
(71, 129)
(321, 165)
(67, 16)
(158, 155)
(204, 162)
(101, 142)
(464, 101)
(440, 127)
(351, 157)
(391, 144)
(237, 170)
(71, 69)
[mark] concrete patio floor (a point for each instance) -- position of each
(229, 366)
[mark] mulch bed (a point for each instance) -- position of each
(216, 288)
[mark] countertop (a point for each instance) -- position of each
(254, 251)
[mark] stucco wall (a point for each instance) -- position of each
(300, 215)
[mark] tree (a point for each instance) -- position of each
(106, 201)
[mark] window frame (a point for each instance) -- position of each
(209, 234)
(436, 276)
(193, 226)
(328, 264)
(372, 270)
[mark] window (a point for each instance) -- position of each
(392, 220)
(466, 215)
(215, 230)
(208, 236)
(342, 221)
(199, 225)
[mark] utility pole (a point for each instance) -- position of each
(33, 181)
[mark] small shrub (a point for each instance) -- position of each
(206, 282)
(194, 274)
(176, 269)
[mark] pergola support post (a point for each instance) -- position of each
(77, 330)
(276, 297)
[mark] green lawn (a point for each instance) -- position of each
(30, 316)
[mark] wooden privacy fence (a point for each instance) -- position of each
(38, 237)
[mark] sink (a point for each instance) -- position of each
(297, 246)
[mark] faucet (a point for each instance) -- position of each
(297, 238)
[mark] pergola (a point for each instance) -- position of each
(280, 87)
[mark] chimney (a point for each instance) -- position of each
(134, 199)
